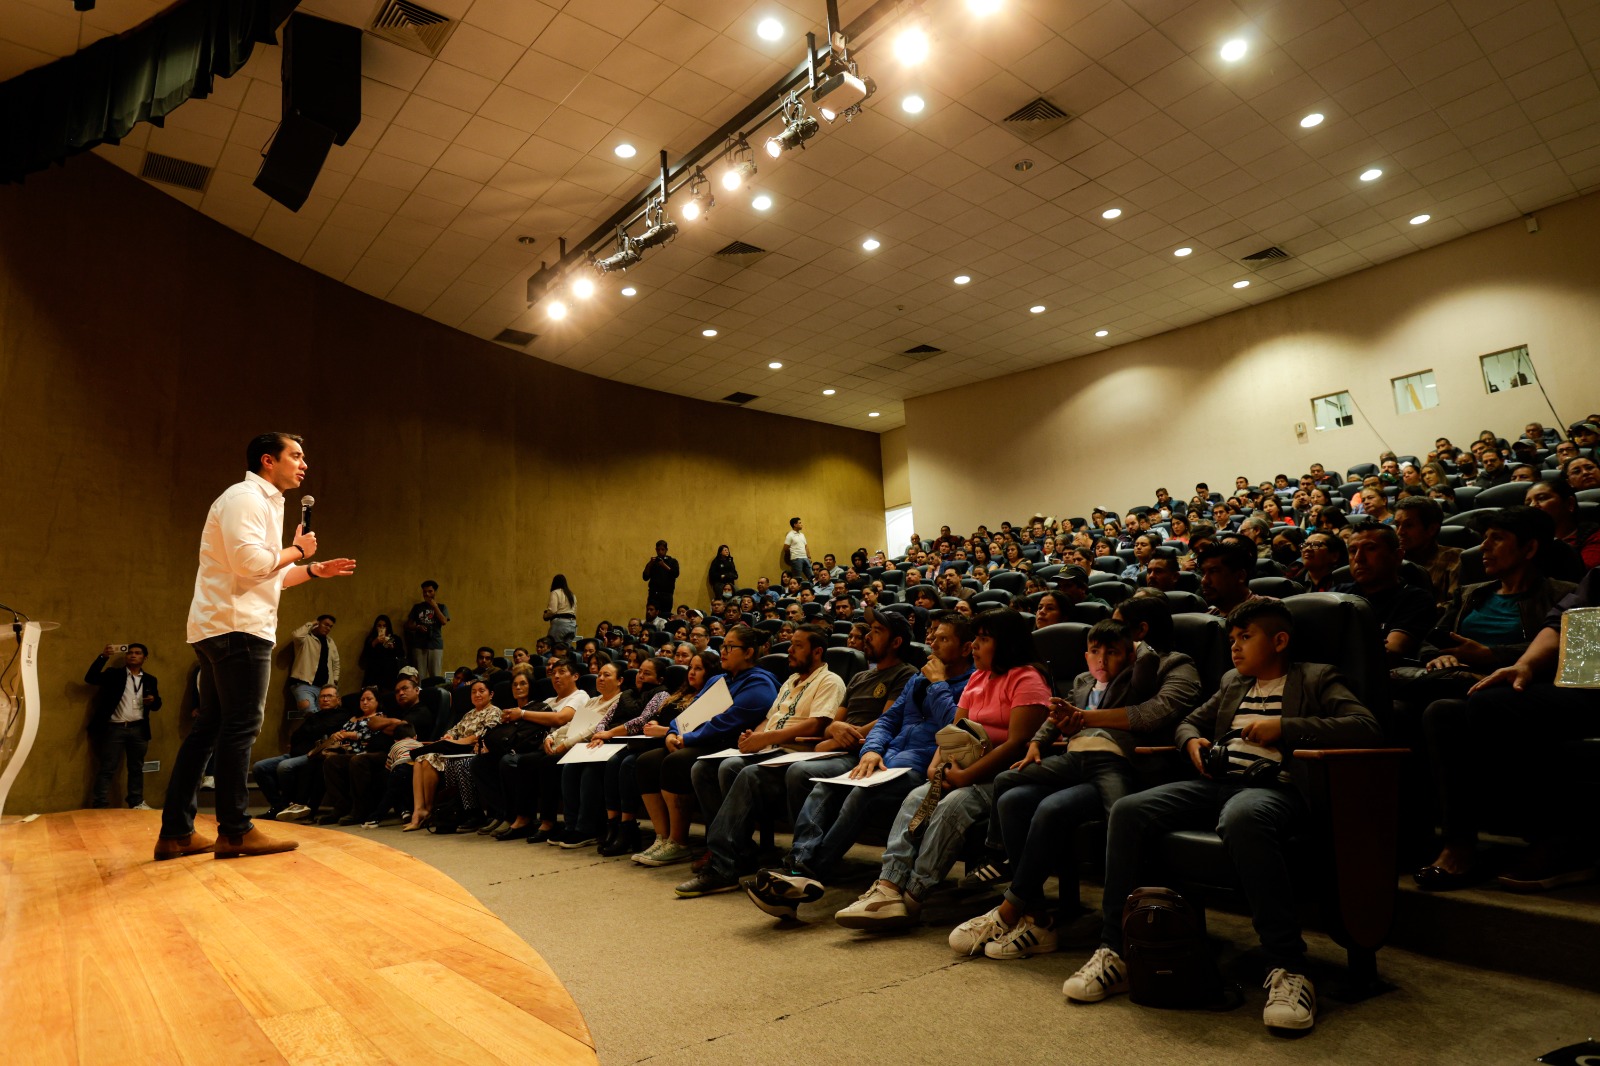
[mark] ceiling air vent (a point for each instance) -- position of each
(1036, 118)
(738, 397)
(411, 26)
(516, 336)
(923, 350)
(741, 248)
(1266, 255)
(179, 172)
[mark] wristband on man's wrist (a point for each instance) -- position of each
(299, 549)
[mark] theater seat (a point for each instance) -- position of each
(846, 662)
(1510, 494)
(1203, 638)
(1459, 537)
(838, 640)
(1189, 581)
(1045, 573)
(1110, 564)
(1276, 587)
(770, 625)
(915, 654)
(588, 682)
(1061, 648)
(997, 597)
(813, 610)
(1472, 519)
(776, 665)
(894, 578)
(677, 674)
(1088, 613)
(1113, 592)
(840, 626)
(780, 648)
(1183, 602)
(1010, 580)
(1361, 470)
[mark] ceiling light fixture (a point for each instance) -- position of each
(1241, 284)
(798, 128)
(700, 198)
(962, 279)
(1313, 119)
(741, 165)
(624, 257)
(913, 104)
(911, 47)
(583, 287)
(762, 202)
(1371, 175)
(1418, 220)
(630, 291)
(1037, 309)
(1234, 50)
(1102, 333)
(556, 310)
(872, 414)
(708, 333)
(1111, 212)
(662, 229)
(828, 392)
(625, 151)
(769, 29)
(1181, 252)
(871, 244)
(774, 366)
(841, 96)
(983, 8)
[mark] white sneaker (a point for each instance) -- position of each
(643, 857)
(880, 907)
(141, 807)
(1105, 974)
(293, 813)
(208, 782)
(970, 936)
(369, 825)
(1024, 939)
(1291, 1001)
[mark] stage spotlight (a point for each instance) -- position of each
(841, 95)
(624, 257)
(556, 310)
(583, 288)
(798, 128)
(662, 229)
(700, 198)
(741, 166)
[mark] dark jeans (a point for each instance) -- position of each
(396, 793)
(582, 788)
(490, 785)
(756, 793)
(124, 739)
(1254, 823)
(532, 785)
(833, 816)
(1459, 737)
(1038, 810)
(235, 669)
(712, 778)
(620, 783)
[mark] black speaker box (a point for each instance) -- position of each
(294, 160)
(322, 74)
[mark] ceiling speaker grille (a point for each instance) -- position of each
(171, 171)
(738, 397)
(520, 338)
(411, 26)
(741, 248)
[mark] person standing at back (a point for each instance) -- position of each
(425, 626)
(233, 623)
(562, 611)
(799, 555)
(119, 721)
(661, 575)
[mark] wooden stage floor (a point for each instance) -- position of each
(345, 951)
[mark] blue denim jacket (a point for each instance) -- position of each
(903, 734)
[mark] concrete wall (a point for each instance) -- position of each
(142, 345)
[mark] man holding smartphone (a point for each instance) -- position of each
(233, 624)
(119, 720)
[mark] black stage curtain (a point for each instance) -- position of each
(97, 95)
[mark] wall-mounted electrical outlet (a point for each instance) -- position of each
(152, 766)
(1300, 432)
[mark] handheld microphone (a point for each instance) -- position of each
(306, 503)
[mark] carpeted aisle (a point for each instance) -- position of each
(709, 981)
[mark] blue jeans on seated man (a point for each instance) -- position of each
(832, 818)
(275, 776)
(711, 779)
(918, 866)
(1254, 824)
(582, 798)
(800, 776)
(303, 699)
(1038, 810)
(235, 671)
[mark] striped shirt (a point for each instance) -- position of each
(1265, 698)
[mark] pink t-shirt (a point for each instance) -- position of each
(989, 698)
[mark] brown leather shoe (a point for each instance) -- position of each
(254, 842)
(177, 847)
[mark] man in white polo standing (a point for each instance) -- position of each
(233, 626)
(794, 544)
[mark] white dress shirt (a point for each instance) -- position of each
(131, 707)
(237, 586)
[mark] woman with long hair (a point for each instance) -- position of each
(722, 575)
(382, 655)
(562, 611)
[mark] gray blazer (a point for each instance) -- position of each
(1156, 692)
(1319, 711)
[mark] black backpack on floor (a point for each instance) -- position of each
(447, 814)
(1168, 957)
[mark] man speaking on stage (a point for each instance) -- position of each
(233, 624)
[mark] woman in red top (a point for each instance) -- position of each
(1558, 500)
(1009, 696)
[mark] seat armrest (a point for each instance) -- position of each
(1157, 750)
(804, 742)
(1355, 799)
(1341, 754)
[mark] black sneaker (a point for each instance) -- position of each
(540, 836)
(780, 893)
(706, 883)
(350, 819)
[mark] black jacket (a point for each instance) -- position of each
(662, 573)
(111, 684)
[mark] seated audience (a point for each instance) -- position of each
(1558, 500)
(1405, 613)
(1417, 521)
(582, 792)
(466, 733)
(1225, 572)
(530, 780)
(1320, 555)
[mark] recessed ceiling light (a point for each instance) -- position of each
(1313, 119)
(557, 310)
(1102, 333)
(1235, 49)
(774, 366)
(583, 288)
(872, 414)
(1111, 212)
(708, 333)
(1371, 175)
(769, 29)
(1241, 284)
(962, 279)
(1181, 252)
(1417, 220)
(870, 244)
(1037, 309)
(983, 7)
(913, 104)
(762, 202)
(911, 47)
(630, 291)
(625, 150)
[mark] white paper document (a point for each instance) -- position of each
(797, 756)
(729, 753)
(712, 702)
(584, 753)
(870, 781)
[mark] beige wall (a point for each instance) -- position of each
(1220, 398)
(896, 468)
(141, 345)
